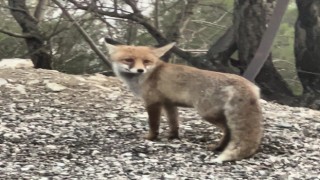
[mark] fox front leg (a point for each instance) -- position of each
(154, 112)
(173, 120)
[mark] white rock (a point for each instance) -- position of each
(95, 152)
(4, 129)
(35, 81)
(169, 176)
(21, 89)
(110, 115)
(57, 169)
(55, 87)
(145, 177)
(79, 78)
(60, 164)
(51, 147)
(127, 154)
(142, 155)
(43, 178)
(12, 137)
(15, 63)
(3, 81)
(153, 160)
(27, 167)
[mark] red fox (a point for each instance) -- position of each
(226, 100)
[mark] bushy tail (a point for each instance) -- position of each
(245, 125)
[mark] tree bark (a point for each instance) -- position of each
(307, 50)
(219, 53)
(40, 9)
(36, 43)
(250, 20)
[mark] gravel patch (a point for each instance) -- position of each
(91, 127)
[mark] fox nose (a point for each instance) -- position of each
(140, 70)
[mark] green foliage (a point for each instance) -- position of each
(70, 52)
(10, 47)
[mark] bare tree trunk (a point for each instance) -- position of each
(35, 40)
(307, 50)
(251, 18)
(219, 53)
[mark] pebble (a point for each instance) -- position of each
(27, 168)
(13, 137)
(32, 82)
(51, 147)
(95, 152)
(284, 125)
(20, 88)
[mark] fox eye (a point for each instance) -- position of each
(146, 61)
(128, 60)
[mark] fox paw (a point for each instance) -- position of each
(150, 136)
(215, 148)
(222, 158)
(172, 136)
(218, 160)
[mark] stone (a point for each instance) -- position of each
(3, 82)
(54, 87)
(20, 88)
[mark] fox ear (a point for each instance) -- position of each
(111, 48)
(162, 50)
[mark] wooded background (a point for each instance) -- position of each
(220, 35)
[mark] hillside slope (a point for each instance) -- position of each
(90, 127)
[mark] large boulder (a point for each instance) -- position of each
(16, 63)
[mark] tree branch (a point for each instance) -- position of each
(181, 21)
(15, 34)
(112, 41)
(156, 14)
(20, 10)
(99, 11)
(13, 8)
(40, 9)
(84, 34)
(152, 30)
(133, 6)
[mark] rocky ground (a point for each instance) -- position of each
(59, 126)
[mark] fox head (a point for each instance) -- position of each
(135, 59)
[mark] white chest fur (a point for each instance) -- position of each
(131, 80)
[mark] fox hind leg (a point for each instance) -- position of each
(223, 141)
(220, 123)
